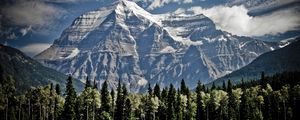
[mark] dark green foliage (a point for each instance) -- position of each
(183, 88)
(213, 87)
(95, 85)
(279, 99)
(244, 107)
(171, 103)
(224, 86)
(233, 107)
(69, 106)
(30, 73)
(162, 109)
(112, 94)
(156, 91)
(277, 61)
(105, 102)
(87, 83)
(57, 89)
(150, 90)
(128, 110)
(148, 105)
(120, 102)
(200, 114)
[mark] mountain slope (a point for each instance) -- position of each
(277, 61)
(123, 41)
(28, 72)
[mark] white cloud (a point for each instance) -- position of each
(34, 49)
(236, 20)
(161, 3)
(24, 31)
(30, 13)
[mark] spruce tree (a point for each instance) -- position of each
(183, 88)
(171, 103)
(95, 85)
(119, 112)
(149, 108)
(200, 115)
(263, 81)
(224, 86)
(69, 106)
(112, 94)
(189, 115)
(232, 104)
(244, 107)
(213, 87)
(128, 110)
(156, 91)
(150, 90)
(105, 102)
(162, 109)
(87, 83)
(177, 106)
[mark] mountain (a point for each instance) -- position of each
(27, 72)
(125, 42)
(277, 61)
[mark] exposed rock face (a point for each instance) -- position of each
(124, 42)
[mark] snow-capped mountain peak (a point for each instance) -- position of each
(125, 42)
(124, 6)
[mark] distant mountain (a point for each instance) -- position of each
(277, 61)
(27, 72)
(125, 42)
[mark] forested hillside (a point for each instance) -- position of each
(272, 98)
(27, 72)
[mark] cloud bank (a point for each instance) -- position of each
(30, 13)
(236, 20)
(34, 49)
(161, 3)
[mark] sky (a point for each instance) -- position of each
(33, 25)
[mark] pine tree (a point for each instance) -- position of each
(69, 106)
(232, 104)
(200, 115)
(156, 91)
(183, 88)
(150, 90)
(8, 90)
(178, 107)
(213, 87)
(95, 85)
(263, 81)
(119, 112)
(162, 109)
(128, 110)
(224, 86)
(244, 107)
(105, 102)
(112, 94)
(87, 83)
(189, 115)
(149, 108)
(171, 103)
(57, 89)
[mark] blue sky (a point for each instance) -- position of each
(32, 25)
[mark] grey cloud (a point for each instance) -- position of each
(30, 13)
(236, 20)
(34, 49)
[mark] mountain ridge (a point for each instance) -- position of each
(140, 49)
(27, 72)
(281, 60)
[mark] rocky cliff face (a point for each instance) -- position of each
(125, 42)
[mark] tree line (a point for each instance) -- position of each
(271, 98)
